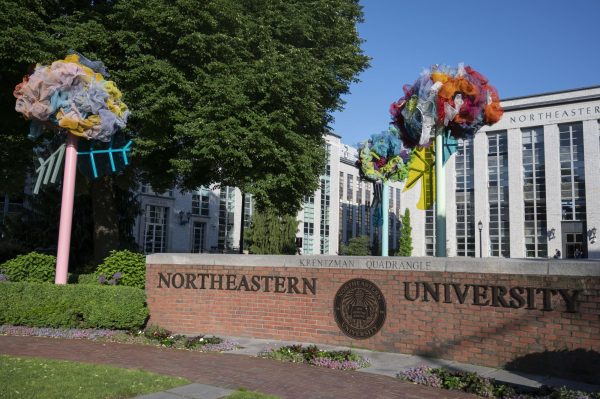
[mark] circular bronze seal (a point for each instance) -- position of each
(359, 308)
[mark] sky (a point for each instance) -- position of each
(523, 47)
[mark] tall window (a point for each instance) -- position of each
(499, 227)
(359, 220)
(199, 237)
(398, 203)
(349, 187)
(359, 189)
(248, 210)
(201, 202)
(572, 171)
(429, 213)
(534, 193)
(309, 225)
(465, 200)
(430, 231)
(341, 185)
(155, 232)
(328, 159)
(349, 221)
(325, 209)
(226, 215)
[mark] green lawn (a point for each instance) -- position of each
(49, 379)
(242, 394)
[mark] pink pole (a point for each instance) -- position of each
(66, 211)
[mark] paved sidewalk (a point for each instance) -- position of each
(214, 374)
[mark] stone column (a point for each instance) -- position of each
(451, 206)
(591, 146)
(553, 196)
(515, 193)
(481, 193)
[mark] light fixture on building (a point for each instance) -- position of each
(592, 234)
(480, 227)
(184, 217)
(551, 234)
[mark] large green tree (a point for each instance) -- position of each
(272, 234)
(357, 246)
(228, 91)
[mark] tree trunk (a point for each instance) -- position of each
(106, 224)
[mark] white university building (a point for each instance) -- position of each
(525, 187)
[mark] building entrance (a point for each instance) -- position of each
(574, 242)
(198, 235)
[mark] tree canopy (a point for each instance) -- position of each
(223, 91)
(357, 246)
(272, 234)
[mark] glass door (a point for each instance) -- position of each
(199, 236)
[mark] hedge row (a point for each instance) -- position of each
(72, 306)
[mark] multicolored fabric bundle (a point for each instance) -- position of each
(383, 158)
(456, 99)
(72, 94)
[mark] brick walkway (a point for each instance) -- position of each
(232, 371)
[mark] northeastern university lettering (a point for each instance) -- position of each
(492, 295)
(234, 282)
(360, 309)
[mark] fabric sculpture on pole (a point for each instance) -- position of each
(72, 94)
(383, 158)
(454, 101)
(459, 100)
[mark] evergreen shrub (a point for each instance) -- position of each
(129, 268)
(72, 306)
(86, 279)
(31, 267)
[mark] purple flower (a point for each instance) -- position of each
(102, 279)
(117, 275)
(112, 282)
(56, 332)
(223, 346)
(421, 375)
(3, 277)
(335, 364)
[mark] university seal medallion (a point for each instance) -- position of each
(359, 308)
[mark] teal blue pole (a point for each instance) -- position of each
(440, 195)
(385, 209)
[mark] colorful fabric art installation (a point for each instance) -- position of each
(421, 167)
(459, 100)
(383, 158)
(72, 94)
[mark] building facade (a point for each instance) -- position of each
(209, 219)
(527, 187)
(534, 178)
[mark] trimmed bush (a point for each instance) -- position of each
(87, 279)
(130, 267)
(72, 306)
(32, 267)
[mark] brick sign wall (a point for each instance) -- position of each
(439, 308)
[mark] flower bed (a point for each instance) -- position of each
(71, 333)
(153, 335)
(485, 387)
(339, 360)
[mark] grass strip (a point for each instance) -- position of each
(29, 377)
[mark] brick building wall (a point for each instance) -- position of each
(487, 313)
